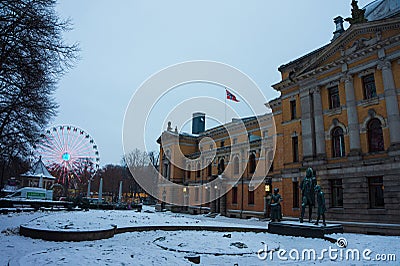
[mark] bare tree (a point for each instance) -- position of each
(143, 166)
(112, 175)
(33, 57)
(154, 158)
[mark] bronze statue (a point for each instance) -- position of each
(307, 193)
(321, 205)
(275, 203)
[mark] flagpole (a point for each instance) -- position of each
(225, 104)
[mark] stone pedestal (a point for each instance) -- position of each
(289, 228)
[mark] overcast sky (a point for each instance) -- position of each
(124, 42)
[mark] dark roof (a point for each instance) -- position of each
(382, 9)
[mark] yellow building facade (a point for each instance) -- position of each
(338, 113)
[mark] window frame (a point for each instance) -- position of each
(334, 92)
(250, 197)
(340, 138)
(293, 111)
(236, 165)
(295, 149)
(375, 136)
(375, 185)
(369, 86)
(252, 163)
(336, 193)
(234, 195)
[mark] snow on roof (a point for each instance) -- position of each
(381, 9)
(39, 170)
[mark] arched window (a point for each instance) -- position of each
(166, 169)
(375, 135)
(338, 142)
(252, 163)
(236, 165)
(221, 166)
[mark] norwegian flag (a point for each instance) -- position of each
(230, 96)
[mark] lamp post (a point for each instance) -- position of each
(217, 205)
(185, 198)
(267, 196)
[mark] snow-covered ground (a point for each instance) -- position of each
(105, 219)
(171, 248)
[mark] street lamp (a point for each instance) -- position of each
(267, 196)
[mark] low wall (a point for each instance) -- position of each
(108, 233)
(67, 235)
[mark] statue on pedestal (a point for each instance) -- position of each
(275, 203)
(321, 205)
(307, 193)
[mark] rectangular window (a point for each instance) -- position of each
(293, 114)
(336, 193)
(375, 185)
(334, 100)
(234, 141)
(295, 149)
(251, 198)
(196, 194)
(234, 195)
(369, 86)
(295, 194)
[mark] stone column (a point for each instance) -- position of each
(392, 106)
(354, 128)
(319, 124)
(306, 124)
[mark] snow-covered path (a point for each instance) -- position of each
(168, 248)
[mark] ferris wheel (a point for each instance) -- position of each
(70, 154)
